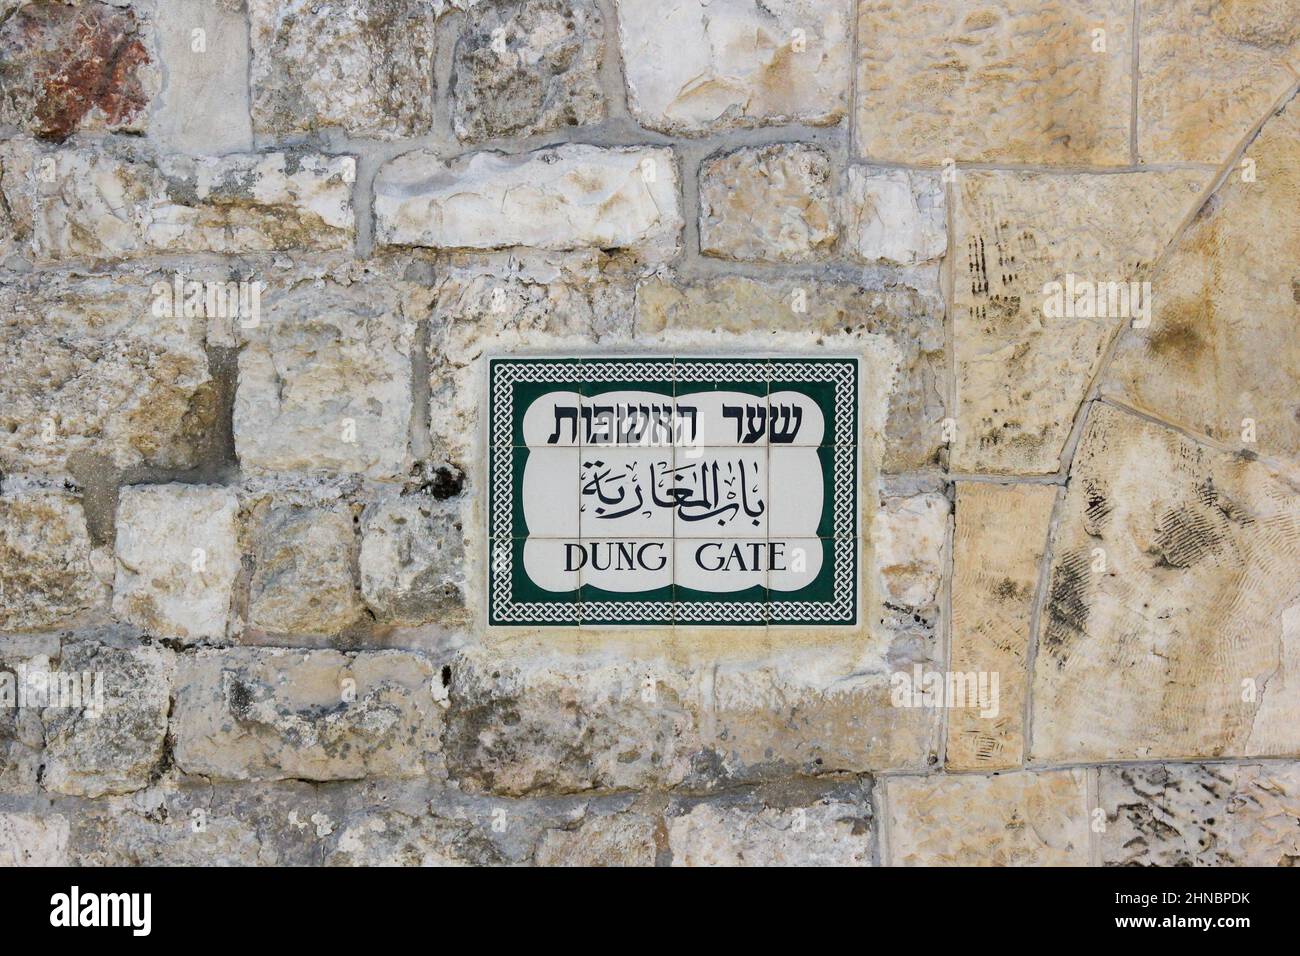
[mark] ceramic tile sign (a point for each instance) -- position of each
(665, 491)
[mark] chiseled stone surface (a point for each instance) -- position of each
(325, 377)
(46, 575)
(767, 203)
(1171, 626)
(302, 579)
(1200, 814)
(412, 561)
(1208, 72)
(524, 67)
(1021, 371)
(363, 65)
(273, 714)
(66, 68)
(119, 749)
(563, 197)
(177, 554)
(89, 368)
(1015, 81)
(1011, 819)
(893, 215)
(117, 202)
(699, 65)
(1220, 356)
(800, 824)
(998, 543)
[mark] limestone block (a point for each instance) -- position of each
(1016, 81)
(694, 66)
(767, 203)
(46, 577)
(271, 714)
(1001, 532)
(413, 561)
(324, 380)
(1015, 819)
(796, 825)
(563, 197)
(113, 745)
(177, 558)
(524, 67)
(1208, 72)
(893, 215)
(116, 202)
(302, 572)
(89, 368)
(1172, 623)
(363, 65)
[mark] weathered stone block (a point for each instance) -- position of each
(1200, 815)
(1008, 81)
(89, 368)
(114, 202)
(1001, 532)
(22, 736)
(177, 558)
(893, 215)
(794, 824)
(522, 725)
(33, 839)
(46, 577)
(325, 381)
(413, 561)
(66, 67)
(115, 745)
(363, 65)
(270, 714)
(1172, 625)
(1221, 356)
(302, 573)
(1015, 819)
(767, 203)
(1024, 361)
(694, 65)
(563, 197)
(524, 67)
(619, 839)
(1208, 72)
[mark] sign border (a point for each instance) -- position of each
(504, 371)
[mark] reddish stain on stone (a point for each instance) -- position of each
(64, 63)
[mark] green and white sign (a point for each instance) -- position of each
(673, 490)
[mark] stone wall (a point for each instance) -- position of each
(259, 531)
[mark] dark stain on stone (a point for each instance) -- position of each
(1184, 537)
(1067, 607)
(1177, 339)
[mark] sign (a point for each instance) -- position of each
(673, 491)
